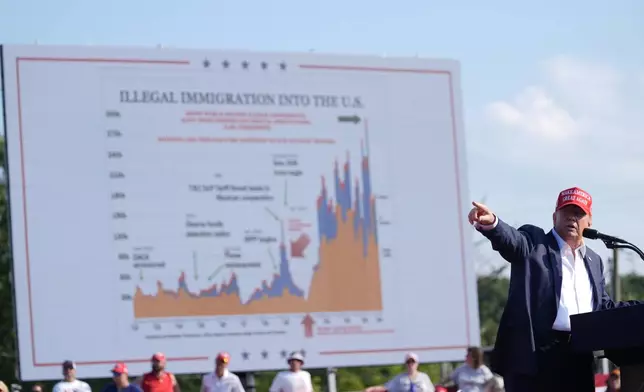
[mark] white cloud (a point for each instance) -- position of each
(535, 112)
(580, 112)
(585, 87)
(580, 123)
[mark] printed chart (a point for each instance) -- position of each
(259, 203)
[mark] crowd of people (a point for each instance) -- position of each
(472, 376)
(158, 379)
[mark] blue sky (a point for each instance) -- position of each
(544, 83)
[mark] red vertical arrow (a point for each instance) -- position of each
(308, 322)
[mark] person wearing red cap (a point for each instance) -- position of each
(553, 276)
(221, 379)
(159, 380)
(121, 382)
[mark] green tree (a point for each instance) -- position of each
(7, 332)
(632, 287)
(493, 294)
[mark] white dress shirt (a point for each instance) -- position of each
(576, 290)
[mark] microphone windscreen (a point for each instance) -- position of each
(590, 233)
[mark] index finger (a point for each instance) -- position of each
(479, 205)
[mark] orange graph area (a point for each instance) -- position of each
(345, 280)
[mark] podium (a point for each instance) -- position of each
(619, 333)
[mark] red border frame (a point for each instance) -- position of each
(35, 363)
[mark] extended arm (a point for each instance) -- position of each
(512, 244)
(175, 384)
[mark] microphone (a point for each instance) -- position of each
(596, 235)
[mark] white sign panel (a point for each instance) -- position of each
(192, 202)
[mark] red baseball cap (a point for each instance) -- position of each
(160, 357)
(575, 196)
(119, 368)
(223, 357)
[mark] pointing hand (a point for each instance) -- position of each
(481, 214)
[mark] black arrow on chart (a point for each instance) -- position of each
(271, 213)
(194, 261)
(353, 119)
(270, 255)
(217, 271)
(285, 193)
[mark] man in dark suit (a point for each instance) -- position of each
(553, 275)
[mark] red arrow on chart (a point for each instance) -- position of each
(308, 322)
(298, 246)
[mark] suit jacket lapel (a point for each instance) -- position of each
(554, 255)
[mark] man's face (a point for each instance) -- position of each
(221, 365)
(36, 388)
(69, 373)
(570, 222)
(158, 365)
(119, 378)
(295, 365)
(411, 365)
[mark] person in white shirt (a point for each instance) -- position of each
(70, 383)
(473, 375)
(221, 379)
(295, 379)
(410, 381)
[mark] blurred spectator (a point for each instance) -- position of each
(295, 379)
(221, 380)
(613, 384)
(121, 381)
(3, 387)
(70, 383)
(410, 381)
(158, 380)
(37, 388)
(473, 375)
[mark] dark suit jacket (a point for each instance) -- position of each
(533, 298)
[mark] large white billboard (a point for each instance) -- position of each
(196, 201)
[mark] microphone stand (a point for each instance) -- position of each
(623, 245)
